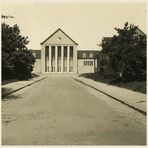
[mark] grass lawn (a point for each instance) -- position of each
(138, 86)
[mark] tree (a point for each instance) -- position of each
(127, 53)
(23, 61)
(13, 44)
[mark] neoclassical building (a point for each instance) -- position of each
(59, 54)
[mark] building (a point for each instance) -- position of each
(87, 62)
(59, 54)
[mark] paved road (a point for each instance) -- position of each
(60, 111)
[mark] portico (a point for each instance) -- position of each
(59, 54)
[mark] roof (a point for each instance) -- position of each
(56, 32)
(37, 54)
(140, 32)
(87, 54)
(106, 38)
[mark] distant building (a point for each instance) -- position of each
(59, 54)
(37, 64)
(86, 61)
(139, 32)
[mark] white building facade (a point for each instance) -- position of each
(87, 62)
(59, 54)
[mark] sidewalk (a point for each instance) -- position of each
(130, 98)
(17, 85)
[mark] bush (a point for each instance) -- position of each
(23, 63)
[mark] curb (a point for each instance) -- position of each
(23, 87)
(133, 107)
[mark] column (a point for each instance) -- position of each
(49, 58)
(56, 57)
(68, 58)
(62, 55)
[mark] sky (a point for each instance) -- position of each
(85, 23)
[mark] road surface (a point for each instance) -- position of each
(61, 111)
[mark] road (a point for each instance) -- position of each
(61, 111)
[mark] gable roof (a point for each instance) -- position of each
(87, 53)
(56, 32)
(107, 39)
(139, 31)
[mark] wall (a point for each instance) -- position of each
(37, 66)
(85, 69)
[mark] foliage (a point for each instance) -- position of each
(23, 61)
(126, 54)
(14, 45)
(105, 67)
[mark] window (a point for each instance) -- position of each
(84, 55)
(46, 51)
(71, 51)
(34, 54)
(59, 38)
(91, 63)
(53, 51)
(46, 58)
(65, 51)
(88, 63)
(53, 58)
(91, 55)
(59, 51)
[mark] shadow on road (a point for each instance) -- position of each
(6, 91)
(10, 96)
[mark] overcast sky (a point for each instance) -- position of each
(85, 23)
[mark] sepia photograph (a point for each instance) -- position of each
(73, 73)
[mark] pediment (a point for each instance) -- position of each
(59, 37)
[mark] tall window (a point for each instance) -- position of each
(59, 51)
(53, 58)
(53, 51)
(46, 58)
(65, 59)
(59, 59)
(71, 59)
(71, 51)
(65, 51)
